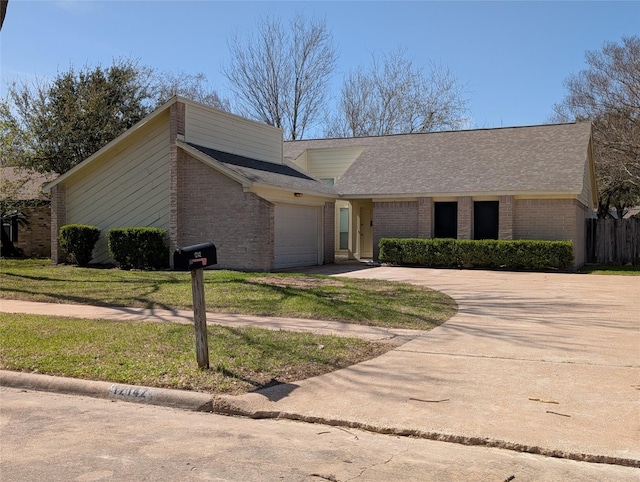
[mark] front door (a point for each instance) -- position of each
(366, 233)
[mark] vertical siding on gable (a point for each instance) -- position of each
(228, 133)
(331, 163)
(128, 187)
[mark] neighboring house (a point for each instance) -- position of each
(633, 212)
(21, 189)
(206, 175)
(509, 183)
(202, 175)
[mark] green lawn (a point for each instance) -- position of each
(163, 355)
(609, 269)
(368, 302)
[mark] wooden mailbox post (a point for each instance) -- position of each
(195, 258)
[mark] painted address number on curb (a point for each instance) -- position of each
(136, 393)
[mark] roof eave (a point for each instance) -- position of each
(201, 156)
(307, 192)
(532, 193)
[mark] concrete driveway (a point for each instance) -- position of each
(541, 363)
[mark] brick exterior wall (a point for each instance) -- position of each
(465, 218)
(580, 241)
(395, 219)
(425, 217)
(546, 219)
(58, 219)
(552, 219)
(176, 127)
(35, 239)
(213, 207)
(329, 233)
(505, 217)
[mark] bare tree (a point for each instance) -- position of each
(394, 96)
(608, 94)
(280, 75)
(191, 86)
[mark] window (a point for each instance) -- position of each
(344, 228)
(445, 222)
(329, 181)
(485, 219)
(10, 228)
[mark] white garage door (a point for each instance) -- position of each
(297, 237)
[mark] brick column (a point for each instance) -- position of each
(465, 218)
(425, 217)
(176, 128)
(329, 232)
(58, 219)
(505, 217)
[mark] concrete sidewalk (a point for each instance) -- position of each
(396, 336)
(533, 362)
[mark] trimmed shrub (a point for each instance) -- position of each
(138, 248)
(487, 253)
(78, 241)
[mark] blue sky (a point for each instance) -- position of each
(513, 56)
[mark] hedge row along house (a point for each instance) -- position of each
(207, 175)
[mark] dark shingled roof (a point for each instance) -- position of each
(546, 158)
(269, 173)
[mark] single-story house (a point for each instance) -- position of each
(202, 175)
(206, 175)
(21, 191)
(508, 183)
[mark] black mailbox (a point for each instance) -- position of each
(196, 256)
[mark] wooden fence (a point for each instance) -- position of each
(613, 241)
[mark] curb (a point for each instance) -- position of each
(224, 405)
(195, 401)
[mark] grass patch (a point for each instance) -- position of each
(367, 302)
(611, 269)
(163, 355)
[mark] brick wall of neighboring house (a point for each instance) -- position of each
(35, 239)
(329, 232)
(394, 219)
(213, 207)
(58, 219)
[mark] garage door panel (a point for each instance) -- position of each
(296, 236)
